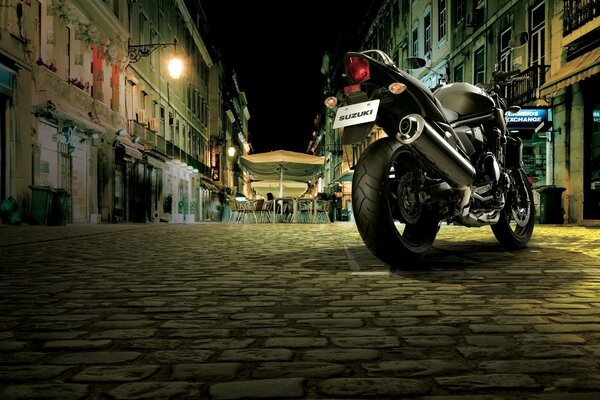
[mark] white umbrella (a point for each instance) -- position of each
(283, 165)
(290, 188)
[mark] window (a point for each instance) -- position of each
(459, 12)
(442, 20)
(504, 58)
(143, 99)
(537, 33)
(415, 41)
(154, 57)
(162, 121)
(479, 66)
(427, 34)
(459, 73)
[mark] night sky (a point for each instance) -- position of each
(284, 85)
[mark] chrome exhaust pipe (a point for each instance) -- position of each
(416, 133)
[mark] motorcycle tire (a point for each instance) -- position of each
(375, 205)
(513, 235)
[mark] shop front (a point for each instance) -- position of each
(179, 189)
(129, 183)
(591, 195)
(63, 159)
(533, 125)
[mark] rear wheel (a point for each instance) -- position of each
(515, 226)
(391, 219)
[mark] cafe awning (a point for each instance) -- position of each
(283, 165)
(127, 144)
(573, 71)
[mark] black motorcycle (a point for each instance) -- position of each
(448, 157)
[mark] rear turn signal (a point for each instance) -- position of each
(357, 69)
(330, 102)
(397, 87)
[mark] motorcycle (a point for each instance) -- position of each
(448, 156)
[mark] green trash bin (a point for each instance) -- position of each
(41, 203)
(551, 211)
(59, 212)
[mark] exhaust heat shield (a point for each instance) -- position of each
(418, 134)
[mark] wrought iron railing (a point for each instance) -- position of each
(166, 147)
(525, 88)
(577, 13)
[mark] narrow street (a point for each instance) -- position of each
(215, 311)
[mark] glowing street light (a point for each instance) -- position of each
(175, 65)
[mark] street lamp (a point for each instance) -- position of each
(231, 151)
(137, 51)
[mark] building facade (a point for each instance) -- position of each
(554, 44)
(87, 105)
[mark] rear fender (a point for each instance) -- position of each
(356, 133)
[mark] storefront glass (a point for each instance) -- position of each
(592, 186)
(535, 155)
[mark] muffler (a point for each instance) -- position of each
(416, 133)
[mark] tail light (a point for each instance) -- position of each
(357, 69)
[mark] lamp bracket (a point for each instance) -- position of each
(137, 51)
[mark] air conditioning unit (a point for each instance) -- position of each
(152, 124)
(141, 117)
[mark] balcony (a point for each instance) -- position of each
(153, 140)
(522, 91)
(577, 13)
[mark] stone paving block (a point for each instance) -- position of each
(124, 334)
(31, 373)
(567, 328)
(256, 323)
(373, 387)
(205, 371)
(556, 338)
(489, 328)
(430, 341)
(486, 382)
(286, 388)
(195, 333)
(95, 357)
(355, 332)
(256, 355)
(12, 345)
(76, 344)
(298, 369)
(414, 367)
(155, 390)
(153, 344)
(62, 391)
(178, 356)
(539, 366)
(121, 373)
(340, 355)
(22, 357)
(366, 342)
(296, 342)
(550, 351)
(485, 353)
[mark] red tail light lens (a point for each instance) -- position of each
(357, 69)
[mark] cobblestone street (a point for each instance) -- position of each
(213, 311)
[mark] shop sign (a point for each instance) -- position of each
(527, 118)
(596, 115)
